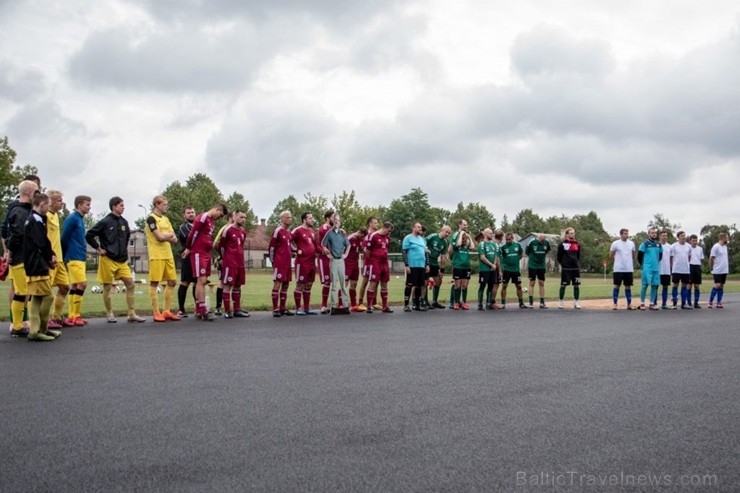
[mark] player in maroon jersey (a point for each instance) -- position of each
(233, 273)
(372, 226)
(304, 238)
(200, 244)
(378, 269)
(352, 265)
(324, 263)
(280, 254)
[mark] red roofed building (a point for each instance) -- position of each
(257, 246)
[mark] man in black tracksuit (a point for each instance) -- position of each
(569, 258)
(110, 237)
(16, 221)
(38, 260)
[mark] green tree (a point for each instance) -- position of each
(350, 210)
(199, 192)
(289, 203)
(477, 216)
(238, 201)
(527, 221)
(407, 209)
(660, 222)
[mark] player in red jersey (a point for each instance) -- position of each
(233, 274)
(352, 265)
(372, 226)
(200, 244)
(377, 269)
(304, 238)
(280, 254)
(325, 263)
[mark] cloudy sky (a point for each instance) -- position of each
(627, 108)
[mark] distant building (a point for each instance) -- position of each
(257, 246)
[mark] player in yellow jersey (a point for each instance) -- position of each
(160, 236)
(59, 277)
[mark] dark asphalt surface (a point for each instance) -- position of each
(442, 401)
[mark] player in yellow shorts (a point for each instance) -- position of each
(59, 277)
(75, 255)
(160, 236)
(110, 238)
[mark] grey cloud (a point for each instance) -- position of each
(184, 59)
(547, 50)
(270, 140)
(21, 85)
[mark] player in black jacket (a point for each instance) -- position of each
(569, 258)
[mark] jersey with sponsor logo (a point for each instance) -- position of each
(460, 254)
(489, 250)
(437, 246)
(200, 238)
(158, 250)
(377, 245)
(280, 249)
(511, 253)
(305, 242)
(537, 254)
(231, 246)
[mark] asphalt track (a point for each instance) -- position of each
(556, 400)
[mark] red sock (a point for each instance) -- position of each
(370, 298)
(283, 299)
(384, 297)
(306, 299)
(324, 294)
(274, 299)
(353, 297)
(227, 301)
(297, 299)
(236, 297)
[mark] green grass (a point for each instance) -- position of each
(256, 292)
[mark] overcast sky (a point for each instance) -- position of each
(627, 108)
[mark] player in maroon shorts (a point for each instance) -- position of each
(280, 254)
(200, 244)
(372, 226)
(233, 274)
(378, 269)
(304, 239)
(352, 266)
(324, 263)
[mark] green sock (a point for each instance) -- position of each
(562, 293)
(576, 292)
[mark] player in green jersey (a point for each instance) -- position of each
(537, 251)
(511, 254)
(488, 255)
(437, 244)
(461, 244)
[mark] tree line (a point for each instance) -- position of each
(201, 192)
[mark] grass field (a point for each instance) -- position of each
(256, 293)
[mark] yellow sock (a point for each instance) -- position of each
(169, 293)
(56, 313)
(80, 297)
(106, 299)
(154, 297)
(72, 304)
(131, 300)
(16, 308)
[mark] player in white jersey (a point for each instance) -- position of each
(680, 272)
(623, 254)
(665, 270)
(719, 262)
(697, 257)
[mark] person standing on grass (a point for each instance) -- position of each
(160, 236)
(280, 255)
(186, 270)
(649, 257)
(324, 264)
(438, 245)
(352, 265)
(307, 248)
(537, 251)
(74, 247)
(695, 263)
(511, 255)
(200, 244)
(569, 258)
(461, 244)
(488, 269)
(39, 262)
(719, 263)
(372, 225)
(681, 271)
(59, 277)
(14, 252)
(665, 269)
(378, 269)
(336, 246)
(110, 237)
(623, 253)
(416, 264)
(233, 274)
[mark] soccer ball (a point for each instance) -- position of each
(96, 289)
(524, 290)
(159, 290)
